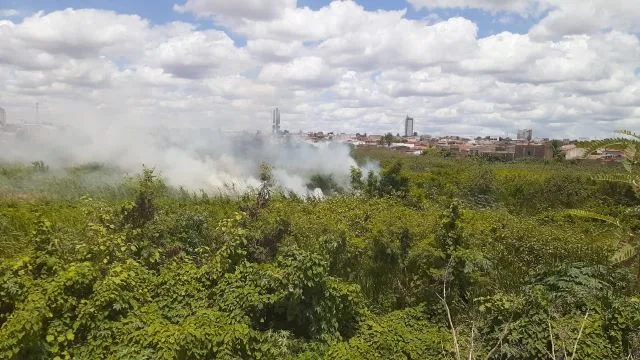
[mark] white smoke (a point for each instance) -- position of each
(194, 158)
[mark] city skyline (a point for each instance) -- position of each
(276, 128)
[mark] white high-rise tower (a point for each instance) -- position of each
(525, 134)
(275, 127)
(3, 117)
(408, 126)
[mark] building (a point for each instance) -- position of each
(574, 153)
(408, 126)
(3, 117)
(275, 127)
(525, 134)
(537, 151)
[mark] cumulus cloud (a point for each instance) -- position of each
(269, 50)
(339, 67)
(336, 19)
(197, 54)
(431, 82)
(81, 33)
(8, 13)
(246, 9)
(519, 6)
(407, 43)
(558, 17)
(571, 17)
(304, 71)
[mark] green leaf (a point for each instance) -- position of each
(601, 144)
(625, 253)
(628, 133)
(592, 215)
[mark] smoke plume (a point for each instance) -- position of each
(194, 158)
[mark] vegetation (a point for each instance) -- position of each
(429, 258)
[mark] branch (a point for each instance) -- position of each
(443, 298)
(553, 347)
(473, 330)
(628, 133)
(605, 143)
(502, 336)
(453, 329)
(575, 345)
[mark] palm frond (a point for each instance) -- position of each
(593, 216)
(629, 133)
(611, 142)
(622, 178)
(631, 151)
(625, 253)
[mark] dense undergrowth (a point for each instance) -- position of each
(431, 259)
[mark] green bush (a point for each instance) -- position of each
(432, 258)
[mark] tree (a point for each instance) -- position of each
(372, 183)
(326, 183)
(142, 209)
(629, 247)
(387, 139)
(393, 182)
(630, 143)
(628, 244)
(356, 179)
(556, 148)
(451, 242)
(266, 177)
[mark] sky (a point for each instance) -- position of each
(565, 68)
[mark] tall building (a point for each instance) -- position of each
(275, 127)
(525, 134)
(3, 117)
(408, 126)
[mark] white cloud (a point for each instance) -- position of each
(502, 53)
(559, 17)
(9, 13)
(432, 82)
(304, 71)
(197, 54)
(269, 50)
(571, 17)
(340, 67)
(81, 33)
(304, 24)
(518, 6)
(245, 9)
(405, 43)
(517, 58)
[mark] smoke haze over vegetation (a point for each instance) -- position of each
(195, 158)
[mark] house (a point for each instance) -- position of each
(574, 153)
(537, 151)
